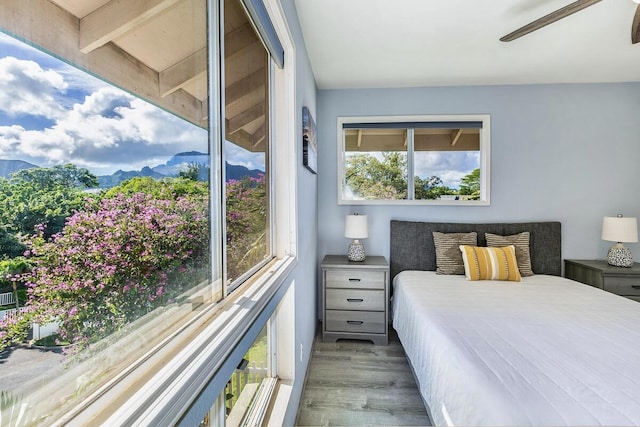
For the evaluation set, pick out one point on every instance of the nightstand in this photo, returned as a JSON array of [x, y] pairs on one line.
[[355, 299], [623, 281]]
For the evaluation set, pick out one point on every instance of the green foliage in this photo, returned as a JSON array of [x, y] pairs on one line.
[[68, 176], [167, 189], [10, 244], [11, 271], [195, 172], [370, 178], [431, 188], [14, 329], [470, 185], [42, 197], [247, 205]]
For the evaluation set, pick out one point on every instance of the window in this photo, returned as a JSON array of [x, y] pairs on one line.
[[246, 150], [414, 160], [247, 392], [106, 191], [132, 216]]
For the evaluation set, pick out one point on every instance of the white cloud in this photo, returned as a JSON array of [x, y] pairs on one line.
[[237, 155], [26, 88], [9, 139], [107, 130], [450, 166]]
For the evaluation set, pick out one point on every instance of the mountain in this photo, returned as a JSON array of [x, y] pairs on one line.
[[7, 167], [177, 164], [180, 161], [108, 181], [237, 172]]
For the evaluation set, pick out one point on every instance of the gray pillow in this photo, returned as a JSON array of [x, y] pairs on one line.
[[448, 255], [521, 243]]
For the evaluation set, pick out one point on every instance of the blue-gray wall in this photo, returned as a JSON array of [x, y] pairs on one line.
[[307, 213], [558, 152]]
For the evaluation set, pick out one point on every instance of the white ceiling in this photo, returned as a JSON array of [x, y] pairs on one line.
[[405, 43]]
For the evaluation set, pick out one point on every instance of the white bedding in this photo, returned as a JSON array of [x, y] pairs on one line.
[[544, 351]]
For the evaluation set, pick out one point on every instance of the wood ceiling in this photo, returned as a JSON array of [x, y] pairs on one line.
[[436, 139], [154, 49]]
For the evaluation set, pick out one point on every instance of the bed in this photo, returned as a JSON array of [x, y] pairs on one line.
[[543, 351]]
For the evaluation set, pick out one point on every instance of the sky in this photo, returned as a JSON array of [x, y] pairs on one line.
[[449, 166], [52, 113]]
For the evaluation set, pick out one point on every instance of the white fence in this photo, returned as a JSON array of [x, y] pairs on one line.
[[38, 331], [7, 298], [12, 312]]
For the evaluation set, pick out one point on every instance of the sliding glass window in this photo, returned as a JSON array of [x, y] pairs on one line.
[[414, 160], [246, 149]]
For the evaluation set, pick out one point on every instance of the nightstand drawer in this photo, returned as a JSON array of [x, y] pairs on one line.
[[355, 278], [355, 299], [356, 321], [622, 285]]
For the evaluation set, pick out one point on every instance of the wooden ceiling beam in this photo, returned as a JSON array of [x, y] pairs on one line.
[[241, 138], [247, 116], [182, 73], [245, 86], [117, 18], [239, 38], [55, 30], [259, 137], [455, 136]]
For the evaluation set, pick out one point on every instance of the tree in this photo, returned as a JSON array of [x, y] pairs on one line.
[[195, 172], [431, 188], [43, 196], [470, 185], [67, 176], [371, 178], [168, 189], [10, 244]]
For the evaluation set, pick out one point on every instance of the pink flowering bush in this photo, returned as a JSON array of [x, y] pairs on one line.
[[247, 203], [117, 260]]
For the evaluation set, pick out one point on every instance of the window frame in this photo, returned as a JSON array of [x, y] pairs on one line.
[[485, 156]]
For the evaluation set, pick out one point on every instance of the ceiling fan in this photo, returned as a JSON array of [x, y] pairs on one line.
[[563, 12]]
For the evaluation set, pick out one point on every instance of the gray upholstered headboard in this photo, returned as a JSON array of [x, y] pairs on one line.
[[412, 245]]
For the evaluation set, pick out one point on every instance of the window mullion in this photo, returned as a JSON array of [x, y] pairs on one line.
[[410, 165]]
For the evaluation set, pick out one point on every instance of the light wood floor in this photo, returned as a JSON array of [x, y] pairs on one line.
[[357, 383]]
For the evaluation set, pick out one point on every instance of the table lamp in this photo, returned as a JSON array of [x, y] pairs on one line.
[[619, 229], [355, 227]]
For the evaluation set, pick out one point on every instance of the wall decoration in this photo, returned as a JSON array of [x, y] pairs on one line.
[[309, 142]]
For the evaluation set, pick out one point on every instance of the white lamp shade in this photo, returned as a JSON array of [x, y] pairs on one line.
[[619, 229], [355, 227]]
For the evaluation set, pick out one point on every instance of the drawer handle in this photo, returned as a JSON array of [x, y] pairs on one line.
[[355, 300], [354, 280], [355, 322], [635, 286]]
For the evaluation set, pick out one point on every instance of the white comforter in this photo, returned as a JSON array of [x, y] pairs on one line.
[[544, 351]]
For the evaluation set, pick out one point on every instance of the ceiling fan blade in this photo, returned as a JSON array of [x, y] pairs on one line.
[[570, 9], [635, 27]]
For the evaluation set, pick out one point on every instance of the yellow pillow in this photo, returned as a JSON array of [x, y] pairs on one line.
[[482, 263]]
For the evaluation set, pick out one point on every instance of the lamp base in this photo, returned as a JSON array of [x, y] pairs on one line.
[[619, 256], [356, 251]]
